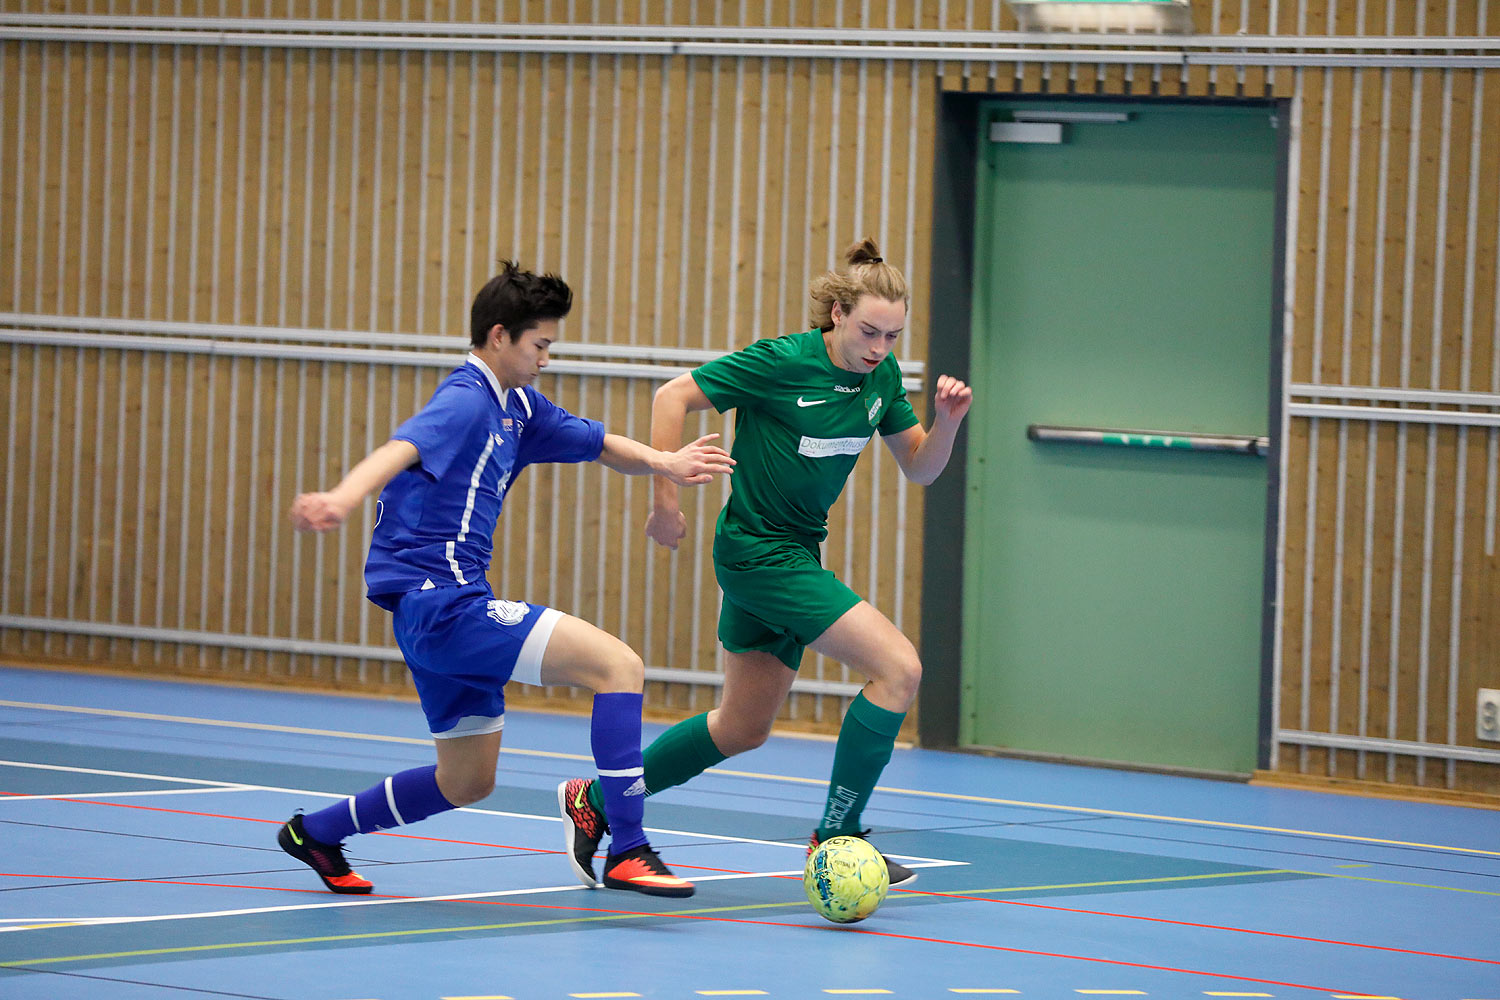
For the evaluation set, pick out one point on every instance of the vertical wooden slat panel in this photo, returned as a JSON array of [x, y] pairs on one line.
[[688, 200]]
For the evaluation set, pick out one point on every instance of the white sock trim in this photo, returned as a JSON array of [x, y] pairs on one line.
[[390, 800], [353, 815], [629, 772]]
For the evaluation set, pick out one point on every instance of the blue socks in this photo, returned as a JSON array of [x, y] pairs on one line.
[[615, 736], [398, 800]]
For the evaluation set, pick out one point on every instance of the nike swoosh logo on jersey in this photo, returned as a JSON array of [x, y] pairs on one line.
[[809, 402]]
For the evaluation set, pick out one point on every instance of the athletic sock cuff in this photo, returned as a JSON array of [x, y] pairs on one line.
[[874, 718], [703, 742]]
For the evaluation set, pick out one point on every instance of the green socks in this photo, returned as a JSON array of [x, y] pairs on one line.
[[682, 752], [866, 740]]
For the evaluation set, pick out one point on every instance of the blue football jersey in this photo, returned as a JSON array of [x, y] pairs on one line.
[[435, 521]]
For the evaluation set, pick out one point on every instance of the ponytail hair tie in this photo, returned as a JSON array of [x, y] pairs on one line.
[[877, 260]]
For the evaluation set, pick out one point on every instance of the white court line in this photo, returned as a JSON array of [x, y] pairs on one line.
[[791, 779], [121, 795], [268, 727], [120, 774], [231, 786], [41, 923], [44, 923]]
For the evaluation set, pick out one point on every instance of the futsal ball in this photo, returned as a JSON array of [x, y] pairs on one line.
[[845, 879]]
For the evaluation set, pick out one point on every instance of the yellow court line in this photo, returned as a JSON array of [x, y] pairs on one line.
[[370, 935], [1391, 881], [919, 793], [1124, 881]]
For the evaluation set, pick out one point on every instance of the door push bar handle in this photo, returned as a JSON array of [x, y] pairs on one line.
[[1241, 444]]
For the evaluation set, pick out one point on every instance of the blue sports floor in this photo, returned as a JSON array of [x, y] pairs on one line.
[[138, 860]]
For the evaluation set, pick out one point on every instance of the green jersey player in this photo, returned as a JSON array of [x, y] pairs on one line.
[[805, 407]]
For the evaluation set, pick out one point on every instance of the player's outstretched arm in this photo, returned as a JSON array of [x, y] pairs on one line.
[[325, 511], [669, 410], [691, 465], [923, 455]]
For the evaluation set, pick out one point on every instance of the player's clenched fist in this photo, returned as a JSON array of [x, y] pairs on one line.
[[317, 512], [953, 398]]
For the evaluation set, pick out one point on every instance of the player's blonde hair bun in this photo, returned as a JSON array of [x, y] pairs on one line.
[[865, 272]]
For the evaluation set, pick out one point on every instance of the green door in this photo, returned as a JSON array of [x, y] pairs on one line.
[[1123, 279]]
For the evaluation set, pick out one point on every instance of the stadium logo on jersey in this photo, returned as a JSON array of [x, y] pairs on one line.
[[875, 408], [846, 388], [509, 612]]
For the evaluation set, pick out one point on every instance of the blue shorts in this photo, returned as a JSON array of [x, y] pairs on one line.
[[462, 645]]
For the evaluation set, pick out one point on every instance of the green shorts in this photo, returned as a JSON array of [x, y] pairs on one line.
[[777, 595]]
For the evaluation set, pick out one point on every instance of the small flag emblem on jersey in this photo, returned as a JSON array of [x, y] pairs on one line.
[[508, 612]]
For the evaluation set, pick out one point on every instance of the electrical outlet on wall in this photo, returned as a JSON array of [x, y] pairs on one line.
[[1488, 714]]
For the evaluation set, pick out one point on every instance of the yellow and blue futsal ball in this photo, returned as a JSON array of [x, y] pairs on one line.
[[845, 879]]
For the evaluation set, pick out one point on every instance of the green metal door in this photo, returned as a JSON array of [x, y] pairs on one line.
[[1113, 595]]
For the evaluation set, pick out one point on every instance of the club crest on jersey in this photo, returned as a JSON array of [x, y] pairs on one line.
[[508, 612], [875, 408]]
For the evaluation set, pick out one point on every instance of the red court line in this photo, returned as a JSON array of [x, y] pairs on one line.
[[377, 833], [1212, 927], [1010, 902], [165, 881], [903, 937]]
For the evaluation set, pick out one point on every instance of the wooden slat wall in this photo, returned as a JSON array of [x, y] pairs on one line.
[[688, 200]]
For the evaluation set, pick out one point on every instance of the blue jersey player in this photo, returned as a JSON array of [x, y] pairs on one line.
[[442, 479]]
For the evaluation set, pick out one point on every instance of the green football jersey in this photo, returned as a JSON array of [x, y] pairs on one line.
[[800, 425]]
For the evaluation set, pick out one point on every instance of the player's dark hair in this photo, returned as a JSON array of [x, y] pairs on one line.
[[518, 300], [865, 273]]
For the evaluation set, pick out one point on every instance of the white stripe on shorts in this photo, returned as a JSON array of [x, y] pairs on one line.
[[528, 669]]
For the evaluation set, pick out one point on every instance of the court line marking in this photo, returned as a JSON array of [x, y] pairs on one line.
[[11, 797], [920, 862], [340, 904], [120, 774], [483, 898], [1202, 926], [916, 792], [1388, 881], [613, 915]]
